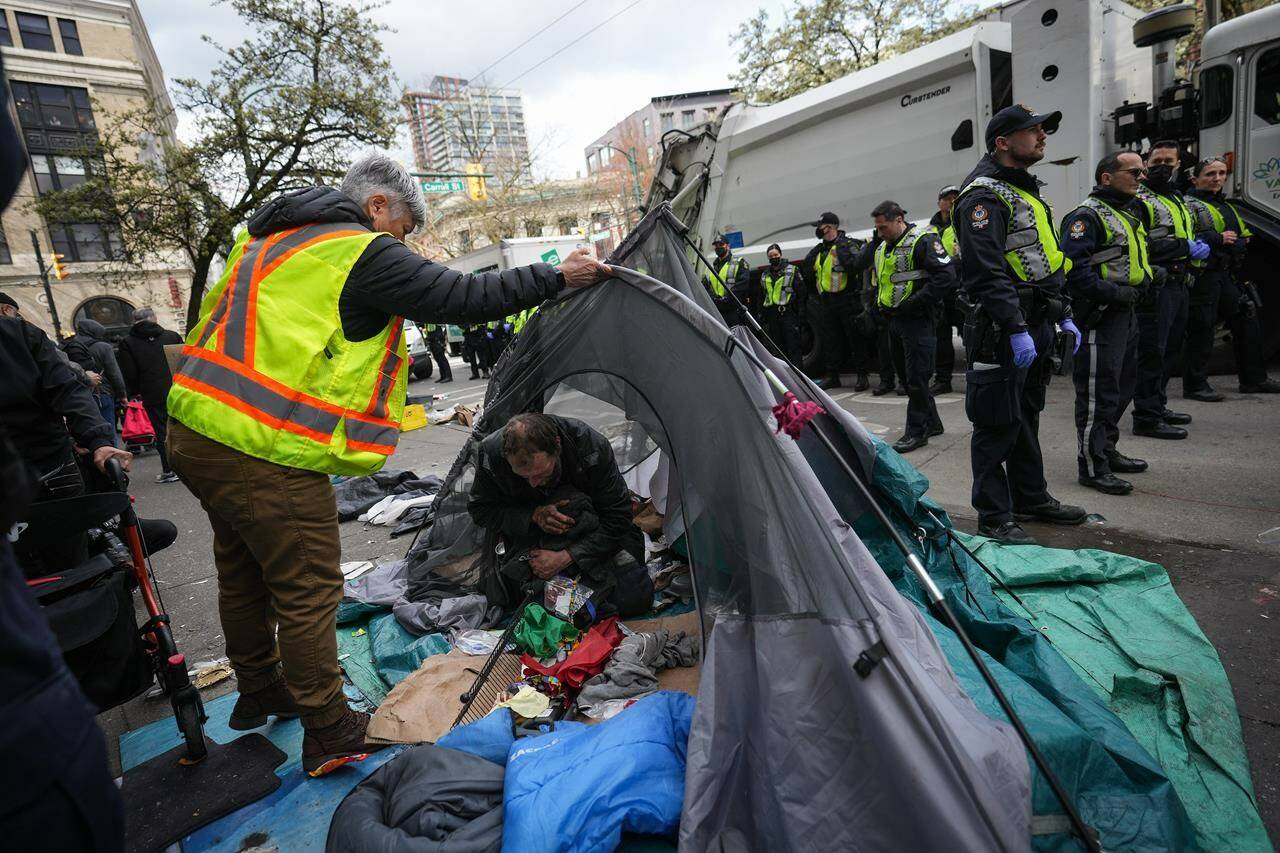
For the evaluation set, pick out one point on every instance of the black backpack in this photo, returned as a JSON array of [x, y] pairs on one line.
[[78, 351]]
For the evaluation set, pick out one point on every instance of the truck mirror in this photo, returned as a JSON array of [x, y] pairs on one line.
[[962, 138]]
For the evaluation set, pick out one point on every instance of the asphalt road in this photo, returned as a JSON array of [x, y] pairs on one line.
[[1198, 512]]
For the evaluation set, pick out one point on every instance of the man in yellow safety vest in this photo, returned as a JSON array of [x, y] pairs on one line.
[[296, 371]]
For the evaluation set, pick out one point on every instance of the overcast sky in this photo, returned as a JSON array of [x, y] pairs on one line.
[[657, 47]]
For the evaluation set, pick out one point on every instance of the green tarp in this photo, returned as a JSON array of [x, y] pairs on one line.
[[1120, 689], [1121, 626], [377, 654]]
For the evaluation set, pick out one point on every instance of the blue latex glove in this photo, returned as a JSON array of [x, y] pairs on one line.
[[1068, 325], [1024, 349], [1198, 249]]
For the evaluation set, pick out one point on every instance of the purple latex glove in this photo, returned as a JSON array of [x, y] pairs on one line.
[[1068, 325], [1198, 249], [1024, 349]]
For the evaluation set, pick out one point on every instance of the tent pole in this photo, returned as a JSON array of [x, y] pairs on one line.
[[938, 601]]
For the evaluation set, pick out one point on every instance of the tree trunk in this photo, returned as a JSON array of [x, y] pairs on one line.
[[199, 278]]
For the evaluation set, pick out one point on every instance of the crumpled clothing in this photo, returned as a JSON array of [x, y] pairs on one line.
[[389, 509], [587, 658], [527, 702], [633, 669], [383, 585], [541, 634], [440, 616], [357, 494], [579, 508]]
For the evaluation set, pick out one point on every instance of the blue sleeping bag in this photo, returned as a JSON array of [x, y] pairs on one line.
[[580, 788]]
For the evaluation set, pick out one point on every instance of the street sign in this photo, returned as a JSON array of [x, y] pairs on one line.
[[552, 257], [450, 185]]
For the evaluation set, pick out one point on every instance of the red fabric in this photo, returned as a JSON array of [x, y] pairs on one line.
[[587, 659], [792, 415], [137, 426]]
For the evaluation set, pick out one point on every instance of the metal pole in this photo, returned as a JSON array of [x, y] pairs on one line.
[[48, 291]]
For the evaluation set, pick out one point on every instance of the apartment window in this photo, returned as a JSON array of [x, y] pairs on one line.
[[648, 152], [711, 112], [6, 37], [667, 121], [687, 118], [70, 37], [34, 30], [5, 257], [42, 107], [648, 127], [86, 241]]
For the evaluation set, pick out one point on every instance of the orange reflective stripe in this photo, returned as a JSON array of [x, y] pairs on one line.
[[260, 378], [245, 408], [386, 381], [329, 232], [281, 406], [250, 337]]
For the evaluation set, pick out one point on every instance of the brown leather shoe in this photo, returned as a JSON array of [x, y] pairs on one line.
[[252, 709], [326, 749]]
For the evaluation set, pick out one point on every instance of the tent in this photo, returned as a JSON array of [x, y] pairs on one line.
[[834, 711]]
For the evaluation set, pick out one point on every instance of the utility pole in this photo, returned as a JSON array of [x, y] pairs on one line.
[[48, 291]]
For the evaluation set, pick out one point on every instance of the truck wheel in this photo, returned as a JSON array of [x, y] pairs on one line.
[[812, 341], [422, 369]]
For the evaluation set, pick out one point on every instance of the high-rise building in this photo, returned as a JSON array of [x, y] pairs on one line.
[[71, 65], [453, 122]]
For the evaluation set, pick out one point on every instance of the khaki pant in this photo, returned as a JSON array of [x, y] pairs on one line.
[[277, 550]]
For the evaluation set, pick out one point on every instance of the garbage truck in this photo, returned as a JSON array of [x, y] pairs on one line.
[[908, 126], [506, 254]]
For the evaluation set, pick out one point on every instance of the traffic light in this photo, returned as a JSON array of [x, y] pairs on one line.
[[475, 186], [59, 271]]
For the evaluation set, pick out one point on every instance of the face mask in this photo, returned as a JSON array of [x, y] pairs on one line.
[[721, 251], [775, 262], [1160, 175]]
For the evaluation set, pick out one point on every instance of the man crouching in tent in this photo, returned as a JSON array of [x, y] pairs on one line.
[[550, 488]]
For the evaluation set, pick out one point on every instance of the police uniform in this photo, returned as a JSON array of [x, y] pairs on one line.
[[948, 317], [782, 307], [475, 350], [1216, 295], [1013, 270], [1162, 315], [831, 270], [1107, 245], [913, 274], [731, 279], [437, 342]]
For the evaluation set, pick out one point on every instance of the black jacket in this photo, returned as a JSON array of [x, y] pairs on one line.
[[39, 391], [982, 223], [390, 279], [848, 253], [90, 348], [501, 501], [928, 255], [1170, 251], [142, 361], [1082, 237]]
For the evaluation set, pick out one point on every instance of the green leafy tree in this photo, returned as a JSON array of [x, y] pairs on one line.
[[822, 40], [284, 109]]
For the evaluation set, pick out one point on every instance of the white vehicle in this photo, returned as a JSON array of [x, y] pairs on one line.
[[419, 352], [913, 124], [507, 254]]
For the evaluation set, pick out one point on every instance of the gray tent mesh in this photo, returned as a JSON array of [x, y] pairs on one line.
[[791, 748]]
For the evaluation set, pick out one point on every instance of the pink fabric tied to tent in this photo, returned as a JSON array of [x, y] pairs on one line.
[[792, 415]]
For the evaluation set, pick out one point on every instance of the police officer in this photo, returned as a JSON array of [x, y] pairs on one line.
[[475, 349], [913, 274], [1012, 269], [731, 278], [1110, 274], [1217, 295], [948, 318], [782, 305], [1162, 316], [437, 342], [830, 270]]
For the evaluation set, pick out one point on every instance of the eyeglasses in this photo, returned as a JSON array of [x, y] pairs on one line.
[[1136, 172]]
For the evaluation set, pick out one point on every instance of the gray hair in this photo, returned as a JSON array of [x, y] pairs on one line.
[[140, 314], [378, 173]]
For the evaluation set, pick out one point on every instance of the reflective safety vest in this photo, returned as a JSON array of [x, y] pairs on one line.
[[1169, 217], [895, 269], [1208, 217], [523, 317], [268, 371], [725, 276], [947, 234], [779, 288], [1123, 257], [829, 274], [1032, 249]]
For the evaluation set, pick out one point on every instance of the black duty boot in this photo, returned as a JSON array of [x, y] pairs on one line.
[[1266, 386], [252, 709], [1052, 512], [940, 387], [1108, 484], [1175, 418], [1008, 532], [882, 389], [862, 384], [936, 429], [1159, 429], [908, 443], [901, 390], [325, 750], [829, 383], [1122, 464], [1204, 395]]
